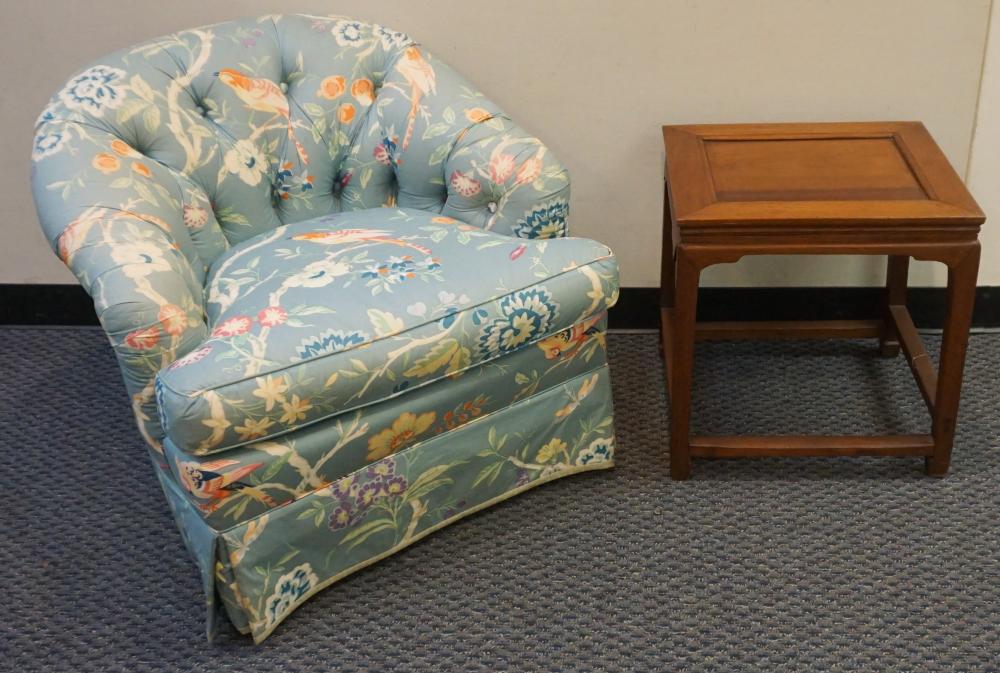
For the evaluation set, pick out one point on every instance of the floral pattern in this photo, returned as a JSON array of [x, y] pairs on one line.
[[290, 590], [412, 328], [95, 90], [525, 316], [547, 220], [337, 321]]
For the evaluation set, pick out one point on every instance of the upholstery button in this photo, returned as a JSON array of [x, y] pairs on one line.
[[284, 87], [491, 206], [202, 110]]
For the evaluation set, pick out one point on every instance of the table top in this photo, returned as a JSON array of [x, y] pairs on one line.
[[875, 173]]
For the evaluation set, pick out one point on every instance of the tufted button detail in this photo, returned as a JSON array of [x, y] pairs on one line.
[[202, 110], [283, 86], [492, 206]]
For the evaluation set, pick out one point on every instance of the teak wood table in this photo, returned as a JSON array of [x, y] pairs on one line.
[[816, 189]]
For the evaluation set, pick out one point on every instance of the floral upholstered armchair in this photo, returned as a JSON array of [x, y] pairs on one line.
[[337, 282]]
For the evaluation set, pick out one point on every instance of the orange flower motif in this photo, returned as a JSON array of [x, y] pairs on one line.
[[106, 163], [173, 318], [142, 169], [529, 171], [477, 114], [441, 219], [501, 167], [122, 148], [331, 87], [142, 339], [363, 90], [345, 113]]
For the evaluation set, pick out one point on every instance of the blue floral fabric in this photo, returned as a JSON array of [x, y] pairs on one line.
[[272, 472], [290, 224], [331, 314]]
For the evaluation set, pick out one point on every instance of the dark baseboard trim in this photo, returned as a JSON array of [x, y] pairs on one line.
[[638, 307]]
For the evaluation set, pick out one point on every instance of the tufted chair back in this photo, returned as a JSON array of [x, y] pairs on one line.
[[151, 163]]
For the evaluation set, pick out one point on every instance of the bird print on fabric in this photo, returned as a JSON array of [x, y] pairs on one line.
[[207, 481], [567, 340], [348, 236], [419, 74], [265, 96]]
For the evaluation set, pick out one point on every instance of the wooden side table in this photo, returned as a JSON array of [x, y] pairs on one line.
[[816, 189]]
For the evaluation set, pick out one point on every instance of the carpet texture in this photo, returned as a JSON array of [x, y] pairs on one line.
[[769, 565]]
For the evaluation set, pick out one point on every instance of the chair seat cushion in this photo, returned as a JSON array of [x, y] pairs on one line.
[[331, 314], [273, 472]]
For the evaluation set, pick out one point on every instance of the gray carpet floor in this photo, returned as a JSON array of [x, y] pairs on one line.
[[768, 565]]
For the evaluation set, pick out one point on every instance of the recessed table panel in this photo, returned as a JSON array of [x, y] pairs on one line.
[[829, 169]]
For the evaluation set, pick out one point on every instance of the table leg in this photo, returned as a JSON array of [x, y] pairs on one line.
[[895, 295], [682, 361], [667, 269], [961, 297]]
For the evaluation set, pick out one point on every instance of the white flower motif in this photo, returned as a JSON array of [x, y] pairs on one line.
[[418, 309], [349, 33], [391, 39], [47, 143], [246, 160], [140, 259], [94, 90], [599, 451], [290, 590], [318, 274]]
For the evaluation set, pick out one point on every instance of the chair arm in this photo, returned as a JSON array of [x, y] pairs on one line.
[[114, 217], [453, 151]]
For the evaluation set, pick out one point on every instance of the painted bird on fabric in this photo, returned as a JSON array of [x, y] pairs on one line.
[[265, 96], [568, 339], [348, 236], [207, 481], [419, 74]]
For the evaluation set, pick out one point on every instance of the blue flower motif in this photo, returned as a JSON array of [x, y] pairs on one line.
[[47, 143], [546, 220], [390, 38], [349, 33], [599, 451], [94, 90], [525, 316], [330, 341], [290, 589]]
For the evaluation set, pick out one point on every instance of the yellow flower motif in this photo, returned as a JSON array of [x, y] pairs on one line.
[[271, 389], [252, 429], [550, 450], [295, 410], [403, 430]]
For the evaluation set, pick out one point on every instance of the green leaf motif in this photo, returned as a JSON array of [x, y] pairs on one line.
[[129, 109], [363, 532], [151, 118], [435, 130], [141, 89], [438, 357], [439, 154]]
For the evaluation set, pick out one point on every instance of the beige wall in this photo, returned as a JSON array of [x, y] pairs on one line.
[[595, 80], [984, 164]]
